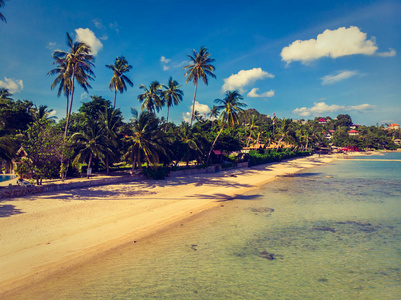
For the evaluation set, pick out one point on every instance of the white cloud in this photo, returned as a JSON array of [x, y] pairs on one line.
[[97, 23], [339, 76], [243, 78], [12, 85], [84, 95], [115, 26], [253, 93], [201, 108], [331, 43], [52, 113], [87, 36], [168, 63], [165, 61], [51, 45], [321, 108], [390, 53], [187, 117]]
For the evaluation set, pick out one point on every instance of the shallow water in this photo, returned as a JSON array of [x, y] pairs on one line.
[[333, 232], [6, 177]]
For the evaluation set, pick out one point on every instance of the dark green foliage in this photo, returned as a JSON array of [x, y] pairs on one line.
[[272, 155], [157, 174]]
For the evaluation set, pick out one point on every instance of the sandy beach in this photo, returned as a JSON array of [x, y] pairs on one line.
[[47, 233]]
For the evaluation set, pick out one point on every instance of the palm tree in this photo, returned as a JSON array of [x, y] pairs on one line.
[[147, 140], [111, 121], [75, 65], [2, 4], [199, 68], [91, 143], [151, 99], [172, 95], [188, 142], [214, 112], [42, 113], [63, 81], [118, 80], [231, 107], [5, 94]]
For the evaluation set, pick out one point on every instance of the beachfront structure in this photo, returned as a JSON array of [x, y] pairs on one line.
[[393, 126], [353, 132]]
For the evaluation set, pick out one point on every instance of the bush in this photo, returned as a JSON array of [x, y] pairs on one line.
[[271, 155]]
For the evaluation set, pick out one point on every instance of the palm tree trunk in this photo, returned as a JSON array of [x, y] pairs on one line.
[[69, 112], [68, 102], [107, 164], [89, 163], [115, 96], [133, 164], [193, 102], [168, 110], [215, 140]]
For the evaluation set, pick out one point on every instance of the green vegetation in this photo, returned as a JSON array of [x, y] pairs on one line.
[[98, 137]]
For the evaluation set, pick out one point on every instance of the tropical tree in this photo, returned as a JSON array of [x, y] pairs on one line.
[[74, 65], [199, 68], [146, 141], [5, 94], [231, 106], [2, 4], [90, 143], [119, 80], [111, 121], [172, 95], [152, 98], [42, 113]]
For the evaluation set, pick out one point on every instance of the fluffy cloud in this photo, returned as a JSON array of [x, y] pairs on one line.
[[253, 94], [87, 36], [165, 61], [168, 64], [243, 78], [331, 43], [341, 75], [201, 108], [12, 85], [321, 108], [390, 53]]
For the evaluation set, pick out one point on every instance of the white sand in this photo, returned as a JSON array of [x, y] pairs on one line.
[[50, 232]]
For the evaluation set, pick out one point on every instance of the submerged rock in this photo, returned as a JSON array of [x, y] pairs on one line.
[[262, 210], [266, 255], [322, 228]]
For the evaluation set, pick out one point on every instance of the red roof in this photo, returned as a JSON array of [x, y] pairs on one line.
[[353, 131]]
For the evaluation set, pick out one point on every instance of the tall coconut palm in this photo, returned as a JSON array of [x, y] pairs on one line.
[[231, 107], [63, 81], [2, 4], [152, 99], [90, 143], [172, 95], [74, 65], [147, 140], [119, 80], [199, 68]]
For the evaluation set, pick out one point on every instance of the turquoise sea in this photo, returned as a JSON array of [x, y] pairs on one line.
[[330, 232]]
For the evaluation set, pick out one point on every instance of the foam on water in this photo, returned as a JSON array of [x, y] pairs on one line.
[[331, 233]]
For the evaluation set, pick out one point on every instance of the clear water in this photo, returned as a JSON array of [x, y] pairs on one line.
[[6, 177], [333, 232]]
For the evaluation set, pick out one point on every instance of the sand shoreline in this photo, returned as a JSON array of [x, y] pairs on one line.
[[48, 233]]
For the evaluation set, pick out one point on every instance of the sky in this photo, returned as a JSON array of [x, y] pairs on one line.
[[297, 59]]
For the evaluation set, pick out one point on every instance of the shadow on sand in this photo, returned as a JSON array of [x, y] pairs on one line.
[[9, 210]]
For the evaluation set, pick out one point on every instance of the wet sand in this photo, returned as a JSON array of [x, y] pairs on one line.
[[44, 234]]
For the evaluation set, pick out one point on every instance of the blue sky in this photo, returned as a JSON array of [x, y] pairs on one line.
[[297, 59]]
